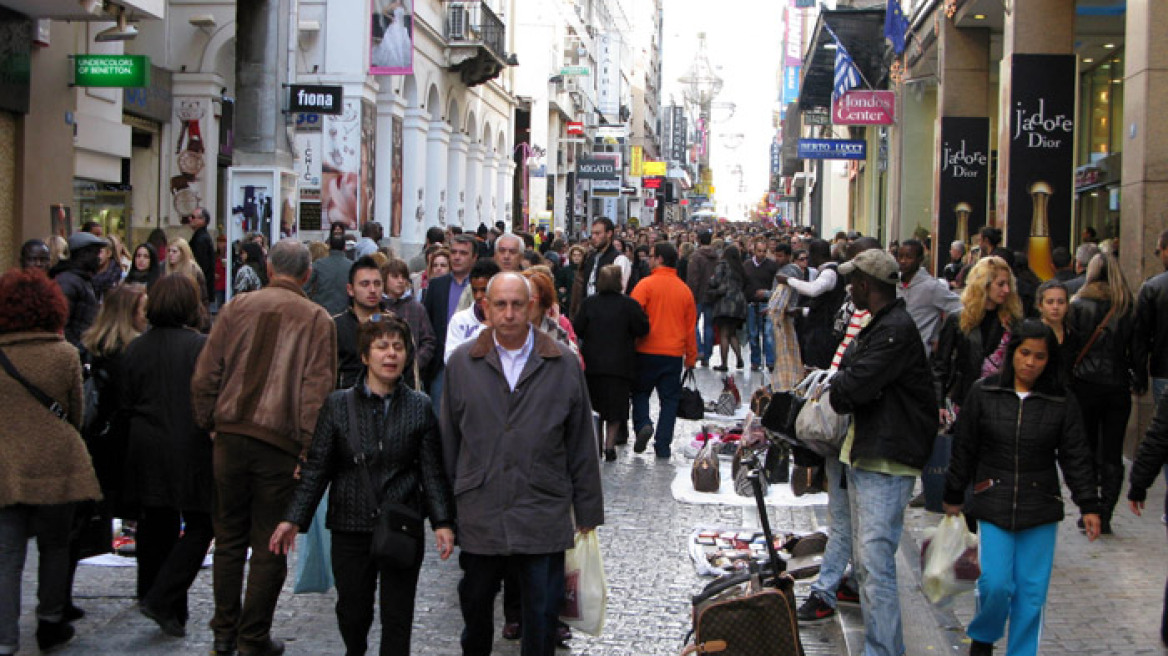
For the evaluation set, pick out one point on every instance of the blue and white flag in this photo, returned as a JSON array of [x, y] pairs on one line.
[[847, 76], [895, 26]]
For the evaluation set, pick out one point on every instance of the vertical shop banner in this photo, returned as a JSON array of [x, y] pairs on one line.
[[340, 167], [368, 157], [391, 42], [1041, 124], [964, 183], [395, 211], [188, 185]]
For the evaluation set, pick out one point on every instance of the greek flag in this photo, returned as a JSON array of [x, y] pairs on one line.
[[847, 76], [895, 26]]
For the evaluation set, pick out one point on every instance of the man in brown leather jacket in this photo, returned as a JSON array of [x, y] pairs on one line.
[[269, 364]]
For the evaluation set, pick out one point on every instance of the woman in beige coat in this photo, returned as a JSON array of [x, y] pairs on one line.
[[44, 466]]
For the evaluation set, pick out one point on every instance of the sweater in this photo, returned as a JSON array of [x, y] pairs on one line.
[[672, 313]]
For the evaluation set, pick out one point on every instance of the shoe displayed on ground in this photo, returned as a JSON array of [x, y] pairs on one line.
[[512, 631], [814, 610], [981, 648], [169, 624], [609, 455], [50, 635], [643, 437], [273, 648], [72, 613], [563, 635]]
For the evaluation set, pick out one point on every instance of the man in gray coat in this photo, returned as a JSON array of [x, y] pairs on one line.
[[520, 449], [327, 285]]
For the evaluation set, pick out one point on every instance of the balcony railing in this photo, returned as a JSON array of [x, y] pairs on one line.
[[475, 22]]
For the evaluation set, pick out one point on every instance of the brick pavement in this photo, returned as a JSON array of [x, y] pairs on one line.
[[1105, 597]]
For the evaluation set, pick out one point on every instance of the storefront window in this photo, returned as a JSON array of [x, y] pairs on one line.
[[109, 205], [1101, 110]]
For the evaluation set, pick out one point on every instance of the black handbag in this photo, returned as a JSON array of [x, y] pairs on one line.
[[397, 528], [781, 413], [690, 405]]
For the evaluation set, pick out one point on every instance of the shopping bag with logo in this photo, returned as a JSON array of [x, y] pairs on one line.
[[585, 590]]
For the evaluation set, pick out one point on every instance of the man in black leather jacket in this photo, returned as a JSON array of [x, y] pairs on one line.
[[884, 382], [1150, 349]]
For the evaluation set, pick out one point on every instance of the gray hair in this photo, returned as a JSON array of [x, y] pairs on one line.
[[290, 258], [958, 244], [1084, 253], [510, 274], [510, 235]]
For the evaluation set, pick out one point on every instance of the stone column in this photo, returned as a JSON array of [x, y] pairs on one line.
[[260, 69], [482, 213], [388, 106], [456, 207], [437, 143], [474, 178], [1144, 192], [414, 175]]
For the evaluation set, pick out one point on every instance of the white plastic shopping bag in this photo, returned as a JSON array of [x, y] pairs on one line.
[[585, 590], [950, 560]]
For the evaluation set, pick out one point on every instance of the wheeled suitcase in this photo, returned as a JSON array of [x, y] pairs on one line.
[[749, 613]]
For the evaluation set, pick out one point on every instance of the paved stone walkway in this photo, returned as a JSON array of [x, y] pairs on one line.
[[1105, 598]]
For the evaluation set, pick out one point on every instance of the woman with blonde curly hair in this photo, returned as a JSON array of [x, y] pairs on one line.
[[179, 259], [972, 344], [1102, 314]]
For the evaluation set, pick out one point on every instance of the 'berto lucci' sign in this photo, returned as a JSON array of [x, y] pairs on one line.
[[315, 99], [118, 71], [864, 108], [833, 149]]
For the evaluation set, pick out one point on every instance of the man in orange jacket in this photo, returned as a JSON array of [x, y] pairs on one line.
[[673, 316]]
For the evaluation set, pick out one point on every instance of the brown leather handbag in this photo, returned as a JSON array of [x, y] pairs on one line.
[[706, 475]]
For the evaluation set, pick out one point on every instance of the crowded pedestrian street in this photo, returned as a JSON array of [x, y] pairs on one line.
[[1104, 596]]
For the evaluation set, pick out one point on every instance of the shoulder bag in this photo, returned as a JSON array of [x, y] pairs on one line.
[[1094, 336], [690, 404], [819, 427], [45, 400], [397, 528], [706, 475]]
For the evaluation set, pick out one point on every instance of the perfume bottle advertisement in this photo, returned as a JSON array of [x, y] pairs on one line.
[[965, 177]]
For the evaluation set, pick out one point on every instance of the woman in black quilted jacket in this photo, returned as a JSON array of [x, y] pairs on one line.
[[1103, 316], [399, 443], [1013, 430]]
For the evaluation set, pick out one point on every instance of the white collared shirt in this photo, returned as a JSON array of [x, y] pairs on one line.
[[514, 361]]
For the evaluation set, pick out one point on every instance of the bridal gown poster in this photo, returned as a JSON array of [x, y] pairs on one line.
[[391, 41]]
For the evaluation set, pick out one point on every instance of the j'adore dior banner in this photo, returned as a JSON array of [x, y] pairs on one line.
[[964, 182], [1041, 124]]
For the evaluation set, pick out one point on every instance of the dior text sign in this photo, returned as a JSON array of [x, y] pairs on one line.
[[964, 181]]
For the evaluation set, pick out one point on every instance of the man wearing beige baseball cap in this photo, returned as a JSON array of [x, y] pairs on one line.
[[885, 384]]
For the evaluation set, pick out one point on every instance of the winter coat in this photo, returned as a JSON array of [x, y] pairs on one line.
[[269, 364], [523, 463], [565, 279], [77, 286], [1152, 455], [1150, 349], [203, 251], [1007, 449], [328, 281], [883, 381], [593, 260], [1109, 361], [42, 458], [412, 312], [957, 362], [168, 460], [403, 451], [699, 271], [608, 326], [725, 289], [108, 436]]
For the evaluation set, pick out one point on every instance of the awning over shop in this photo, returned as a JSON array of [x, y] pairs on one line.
[[862, 33]]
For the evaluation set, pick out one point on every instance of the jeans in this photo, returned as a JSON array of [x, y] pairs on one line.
[[878, 502], [706, 334], [167, 562], [50, 525], [1015, 575], [663, 373], [757, 321], [839, 535], [541, 590], [357, 574], [253, 485]]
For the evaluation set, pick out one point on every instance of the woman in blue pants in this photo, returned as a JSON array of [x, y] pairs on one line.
[[1013, 428]]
